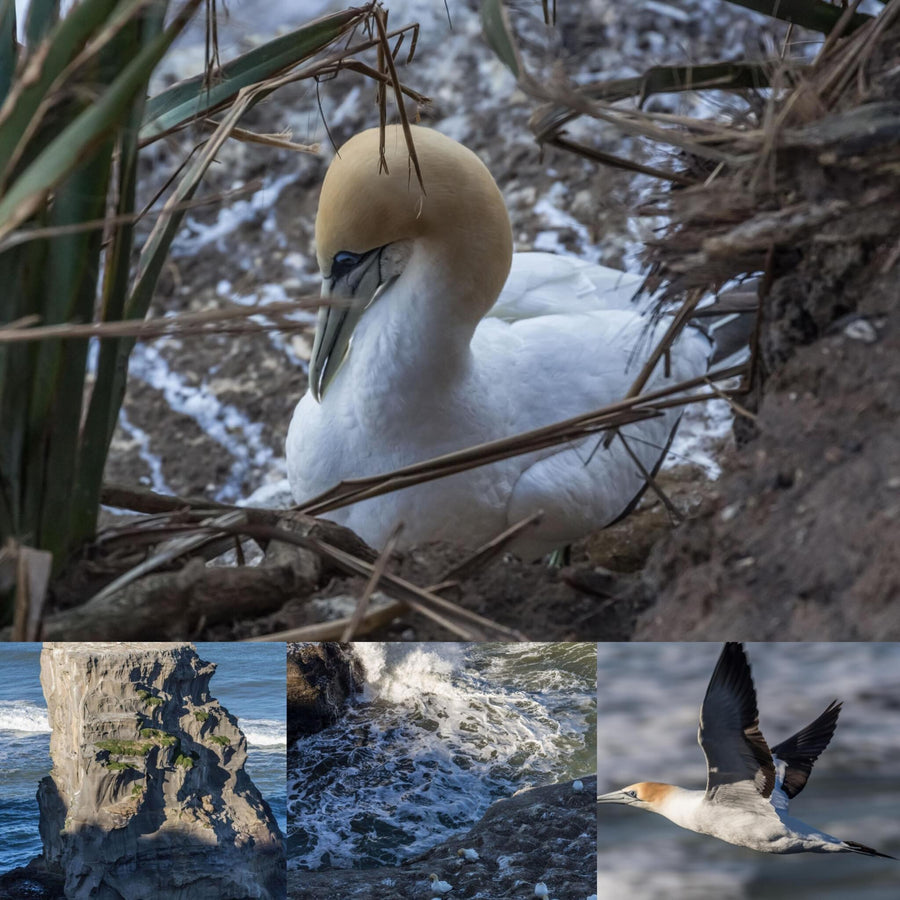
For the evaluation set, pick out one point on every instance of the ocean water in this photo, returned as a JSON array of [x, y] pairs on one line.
[[649, 697], [440, 732], [249, 682]]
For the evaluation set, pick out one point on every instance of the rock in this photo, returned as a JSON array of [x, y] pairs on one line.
[[148, 796], [321, 678], [545, 834]]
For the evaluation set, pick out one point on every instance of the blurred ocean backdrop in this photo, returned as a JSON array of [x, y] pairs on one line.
[[249, 682], [649, 698], [440, 732]]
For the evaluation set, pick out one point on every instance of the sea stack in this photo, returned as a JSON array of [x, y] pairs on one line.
[[148, 795]]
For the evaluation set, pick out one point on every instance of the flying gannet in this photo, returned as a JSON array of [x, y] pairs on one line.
[[437, 337], [749, 786]]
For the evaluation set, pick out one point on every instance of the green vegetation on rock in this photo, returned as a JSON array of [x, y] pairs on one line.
[[126, 748], [162, 738], [219, 739]]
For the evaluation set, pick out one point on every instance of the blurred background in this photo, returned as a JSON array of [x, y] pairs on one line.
[[649, 698]]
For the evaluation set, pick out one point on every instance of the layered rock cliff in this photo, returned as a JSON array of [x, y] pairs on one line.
[[148, 796]]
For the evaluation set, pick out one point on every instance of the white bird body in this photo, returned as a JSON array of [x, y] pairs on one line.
[[760, 828], [438, 886], [749, 787], [452, 353], [468, 854]]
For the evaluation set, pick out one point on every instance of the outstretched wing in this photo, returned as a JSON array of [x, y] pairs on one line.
[[795, 756], [740, 766]]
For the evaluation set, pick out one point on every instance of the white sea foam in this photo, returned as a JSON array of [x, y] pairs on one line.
[[440, 732], [264, 733], [19, 715]]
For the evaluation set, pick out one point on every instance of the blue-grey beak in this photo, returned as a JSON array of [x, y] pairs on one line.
[[350, 293]]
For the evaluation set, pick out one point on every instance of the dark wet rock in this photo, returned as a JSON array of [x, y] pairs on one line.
[[545, 834], [321, 678], [148, 796], [32, 882]]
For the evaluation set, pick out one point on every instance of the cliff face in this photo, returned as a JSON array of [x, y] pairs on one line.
[[148, 796], [321, 677]]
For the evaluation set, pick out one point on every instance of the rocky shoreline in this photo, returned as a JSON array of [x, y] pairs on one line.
[[546, 834]]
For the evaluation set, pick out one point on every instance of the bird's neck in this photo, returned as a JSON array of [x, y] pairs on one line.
[[418, 332], [680, 805]]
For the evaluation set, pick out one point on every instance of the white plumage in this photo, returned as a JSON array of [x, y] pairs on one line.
[[749, 786], [455, 342], [438, 886]]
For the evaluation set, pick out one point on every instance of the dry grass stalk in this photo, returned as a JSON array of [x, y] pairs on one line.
[[232, 320], [260, 525], [609, 417], [379, 617], [378, 569], [486, 553]]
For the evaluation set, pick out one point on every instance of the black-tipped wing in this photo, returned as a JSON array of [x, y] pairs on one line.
[[737, 756], [801, 750], [868, 851]]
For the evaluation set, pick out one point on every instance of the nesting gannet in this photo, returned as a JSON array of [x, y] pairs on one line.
[[468, 855], [437, 337], [438, 886], [577, 786], [540, 890], [749, 786]]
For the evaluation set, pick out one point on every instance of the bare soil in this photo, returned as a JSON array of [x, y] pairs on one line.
[[800, 541]]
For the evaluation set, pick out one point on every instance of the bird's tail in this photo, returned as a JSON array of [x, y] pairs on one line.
[[866, 851]]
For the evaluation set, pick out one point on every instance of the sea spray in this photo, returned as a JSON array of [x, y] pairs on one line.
[[19, 715], [438, 734]]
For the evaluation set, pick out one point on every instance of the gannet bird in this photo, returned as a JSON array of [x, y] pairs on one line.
[[469, 855], [749, 786], [540, 890], [436, 337], [438, 886]]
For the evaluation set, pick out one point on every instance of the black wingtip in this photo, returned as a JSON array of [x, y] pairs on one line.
[[802, 749], [866, 851]]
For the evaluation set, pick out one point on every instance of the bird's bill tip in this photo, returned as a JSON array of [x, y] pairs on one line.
[[614, 797], [334, 328]]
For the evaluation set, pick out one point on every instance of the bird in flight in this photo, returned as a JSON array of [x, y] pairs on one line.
[[749, 786]]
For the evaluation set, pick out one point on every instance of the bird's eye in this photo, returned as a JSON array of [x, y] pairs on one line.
[[343, 262], [631, 794]]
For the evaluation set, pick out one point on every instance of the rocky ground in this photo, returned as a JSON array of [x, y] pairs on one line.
[[208, 416], [556, 818]]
